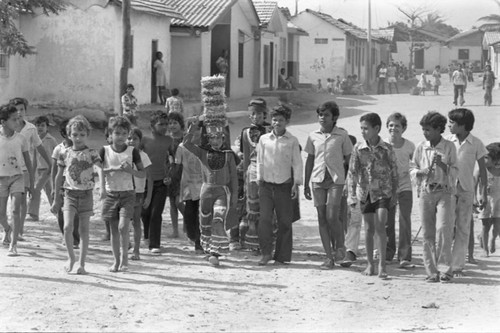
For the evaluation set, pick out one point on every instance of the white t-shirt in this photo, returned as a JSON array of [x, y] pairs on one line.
[[11, 157], [118, 180], [30, 132], [140, 183], [404, 155]]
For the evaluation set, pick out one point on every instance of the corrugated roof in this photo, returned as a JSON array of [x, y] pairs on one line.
[[153, 7], [387, 34], [342, 25], [491, 37], [463, 34], [265, 9], [199, 13]]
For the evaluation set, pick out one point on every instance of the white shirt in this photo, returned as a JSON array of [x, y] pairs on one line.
[[404, 155], [11, 157], [140, 183], [30, 132]]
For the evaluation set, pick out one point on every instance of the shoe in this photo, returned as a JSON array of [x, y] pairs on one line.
[[404, 264], [266, 258], [328, 264], [12, 251], [432, 279], [213, 260], [350, 257], [155, 250], [445, 278], [234, 246]]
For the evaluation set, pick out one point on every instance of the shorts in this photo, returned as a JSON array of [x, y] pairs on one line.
[[27, 182], [80, 202], [139, 199], [371, 207], [119, 204], [323, 195], [11, 185], [392, 80]]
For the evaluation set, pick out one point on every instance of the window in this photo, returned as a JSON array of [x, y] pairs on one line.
[[320, 40], [266, 63], [241, 41], [4, 64], [463, 54]]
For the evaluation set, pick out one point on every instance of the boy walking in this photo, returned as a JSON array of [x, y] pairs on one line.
[[329, 149], [279, 172], [13, 159], [434, 166], [469, 151], [158, 149], [373, 181]]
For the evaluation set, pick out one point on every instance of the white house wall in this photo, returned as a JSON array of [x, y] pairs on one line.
[[186, 65], [320, 61], [241, 87], [432, 55]]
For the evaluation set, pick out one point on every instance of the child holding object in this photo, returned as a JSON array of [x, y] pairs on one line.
[[373, 182], [76, 170]]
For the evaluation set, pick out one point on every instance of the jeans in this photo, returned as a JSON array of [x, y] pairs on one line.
[[462, 207], [151, 216], [458, 90], [405, 203], [276, 198], [437, 228]]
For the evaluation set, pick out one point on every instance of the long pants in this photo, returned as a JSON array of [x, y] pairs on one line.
[[253, 215], [458, 90], [437, 227], [487, 95], [276, 198], [381, 86], [151, 216], [462, 208], [353, 229], [192, 220], [36, 196], [405, 203], [214, 206]]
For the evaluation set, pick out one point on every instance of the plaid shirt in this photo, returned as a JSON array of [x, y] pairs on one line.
[[372, 171]]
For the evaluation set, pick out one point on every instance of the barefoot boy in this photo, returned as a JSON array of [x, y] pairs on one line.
[[13, 159], [76, 169], [117, 187], [373, 181]]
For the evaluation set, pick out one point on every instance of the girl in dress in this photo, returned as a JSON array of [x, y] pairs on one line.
[[436, 75], [422, 83]]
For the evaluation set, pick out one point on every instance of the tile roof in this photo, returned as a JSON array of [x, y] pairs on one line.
[[286, 13], [265, 9], [153, 7], [199, 13], [387, 34], [341, 24], [463, 34], [491, 37]]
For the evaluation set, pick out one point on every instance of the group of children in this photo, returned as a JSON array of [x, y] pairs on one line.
[[199, 173]]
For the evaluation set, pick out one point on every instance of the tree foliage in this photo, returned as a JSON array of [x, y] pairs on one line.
[[12, 41], [491, 22]]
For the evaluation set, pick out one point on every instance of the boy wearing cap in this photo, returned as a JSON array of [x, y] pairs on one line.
[[279, 172], [248, 142]]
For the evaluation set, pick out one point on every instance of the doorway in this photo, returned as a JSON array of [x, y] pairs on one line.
[[419, 59], [271, 66], [154, 91]]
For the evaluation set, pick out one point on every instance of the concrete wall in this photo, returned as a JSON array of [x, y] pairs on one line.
[[186, 65], [433, 56], [78, 57], [320, 61], [241, 87]]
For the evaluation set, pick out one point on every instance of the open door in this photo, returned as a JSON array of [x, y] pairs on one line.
[[271, 66], [154, 92]]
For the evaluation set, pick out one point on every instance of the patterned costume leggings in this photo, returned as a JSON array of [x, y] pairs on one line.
[[252, 216], [214, 201]]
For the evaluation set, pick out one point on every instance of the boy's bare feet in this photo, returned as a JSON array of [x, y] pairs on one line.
[[382, 274], [328, 264], [135, 256], [265, 259], [114, 268], [6, 237], [369, 271], [69, 265], [459, 273], [492, 246], [81, 271], [123, 268], [486, 253], [12, 251], [471, 260]]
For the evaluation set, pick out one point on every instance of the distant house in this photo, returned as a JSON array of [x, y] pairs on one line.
[[78, 54], [335, 47], [491, 48], [467, 47], [209, 27], [429, 48], [279, 44]]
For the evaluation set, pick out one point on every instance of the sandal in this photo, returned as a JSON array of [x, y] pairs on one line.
[[432, 279], [135, 257], [445, 278]]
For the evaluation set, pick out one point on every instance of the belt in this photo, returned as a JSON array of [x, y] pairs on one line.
[[435, 187]]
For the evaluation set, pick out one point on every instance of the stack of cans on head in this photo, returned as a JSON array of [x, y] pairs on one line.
[[214, 104]]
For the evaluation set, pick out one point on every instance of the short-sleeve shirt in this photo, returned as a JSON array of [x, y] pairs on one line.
[[468, 152], [78, 166], [404, 154], [192, 177], [174, 104], [49, 143], [140, 183], [30, 132], [119, 180], [11, 158], [329, 150]]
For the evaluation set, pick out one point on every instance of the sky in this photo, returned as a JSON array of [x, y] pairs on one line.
[[462, 14]]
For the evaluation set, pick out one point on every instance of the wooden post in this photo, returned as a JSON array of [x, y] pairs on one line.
[[126, 51]]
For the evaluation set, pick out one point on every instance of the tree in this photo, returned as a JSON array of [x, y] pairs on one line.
[[413, 14], [126, 48], [12, 40], [492, 21]]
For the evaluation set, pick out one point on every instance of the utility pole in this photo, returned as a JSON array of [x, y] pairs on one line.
[[126, 49], [369, 48], [296, 7]]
